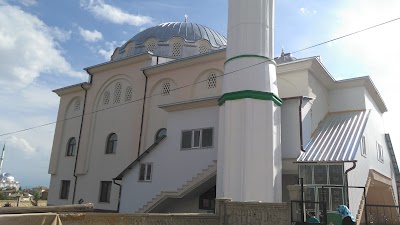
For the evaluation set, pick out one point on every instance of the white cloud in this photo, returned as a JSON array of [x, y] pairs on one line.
[[90, 36], [60, 34], [28, 48], [28, 2], [306, 11], [19, 144], [113, 14], [108, 50]]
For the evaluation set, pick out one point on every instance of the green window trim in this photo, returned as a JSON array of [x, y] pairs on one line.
[[260, 95], [247, 56]]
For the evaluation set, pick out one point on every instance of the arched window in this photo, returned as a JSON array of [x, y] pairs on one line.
[[128, 94], [212, 80], [160, 133], [203, 49], [117, 94], [71, 147], [77, 104], [111, 146], [176, 49], [151, 46], [106, 98], [166, 87]]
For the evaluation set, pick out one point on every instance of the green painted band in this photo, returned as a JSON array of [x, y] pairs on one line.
[[247, 56], [250, 94]]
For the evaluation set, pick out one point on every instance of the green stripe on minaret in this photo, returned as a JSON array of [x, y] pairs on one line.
[[248, 56], [260, 95]]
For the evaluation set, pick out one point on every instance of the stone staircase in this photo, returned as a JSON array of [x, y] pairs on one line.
[[362, 202], [201, 177]]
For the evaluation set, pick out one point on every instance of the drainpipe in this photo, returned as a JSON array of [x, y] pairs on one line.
[[347, 181], [141, 124], [301, 124], [300, 118], [119, 194], [79, 143]]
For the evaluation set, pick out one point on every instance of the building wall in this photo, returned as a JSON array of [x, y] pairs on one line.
[[183, 77], [172, 167], [290, 129], [93, 164], [319, 103], [345, 99], [374, 132], [62, 166]]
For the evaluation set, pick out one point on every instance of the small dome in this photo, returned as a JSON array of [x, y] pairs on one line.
[[173, 40], [7, 177], [190, 32]]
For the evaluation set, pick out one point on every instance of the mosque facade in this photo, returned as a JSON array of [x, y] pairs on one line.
[[178, 117]]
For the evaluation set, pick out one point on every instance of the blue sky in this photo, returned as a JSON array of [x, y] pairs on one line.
[[45, 44]]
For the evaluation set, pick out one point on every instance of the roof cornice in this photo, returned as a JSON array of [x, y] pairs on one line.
[[184, 62], [118, 63], [72, 88]]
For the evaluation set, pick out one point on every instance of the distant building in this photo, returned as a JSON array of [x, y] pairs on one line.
[[7, 181]]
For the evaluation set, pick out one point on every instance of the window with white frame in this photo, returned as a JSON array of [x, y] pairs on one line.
[[316, 176], [198, 138], [105, 191], [379, 149], [145, 171], [363, 148]]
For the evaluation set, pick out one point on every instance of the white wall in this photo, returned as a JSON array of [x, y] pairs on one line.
[[290, 129], [374, 132], [172, 167], [345, 99], [62, 166]]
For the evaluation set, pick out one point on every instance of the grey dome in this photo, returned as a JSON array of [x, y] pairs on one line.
[[190, 32], [7, 177], [172, 40]]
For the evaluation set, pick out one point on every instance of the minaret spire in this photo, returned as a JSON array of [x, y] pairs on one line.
[[249, 155], [2, 158]]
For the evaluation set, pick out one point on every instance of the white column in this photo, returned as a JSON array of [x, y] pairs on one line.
[[249, 155]]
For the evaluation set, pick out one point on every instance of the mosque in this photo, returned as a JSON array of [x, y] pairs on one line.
[[180, 116], [7, 181]]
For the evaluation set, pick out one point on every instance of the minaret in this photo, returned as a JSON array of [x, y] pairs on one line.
[[2, 158], [249, 154]]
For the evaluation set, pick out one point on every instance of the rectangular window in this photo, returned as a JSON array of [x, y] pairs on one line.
[[316, 176], [64, 192], [199, 138], [145, 172], [363, 148], [379, 148], [320, 174], [336, 174], [105, 191]]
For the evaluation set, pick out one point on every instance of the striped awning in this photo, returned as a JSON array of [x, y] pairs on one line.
[[337, 138]]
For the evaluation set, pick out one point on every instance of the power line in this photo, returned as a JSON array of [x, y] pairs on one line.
[[188, 85], [356, 32]]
